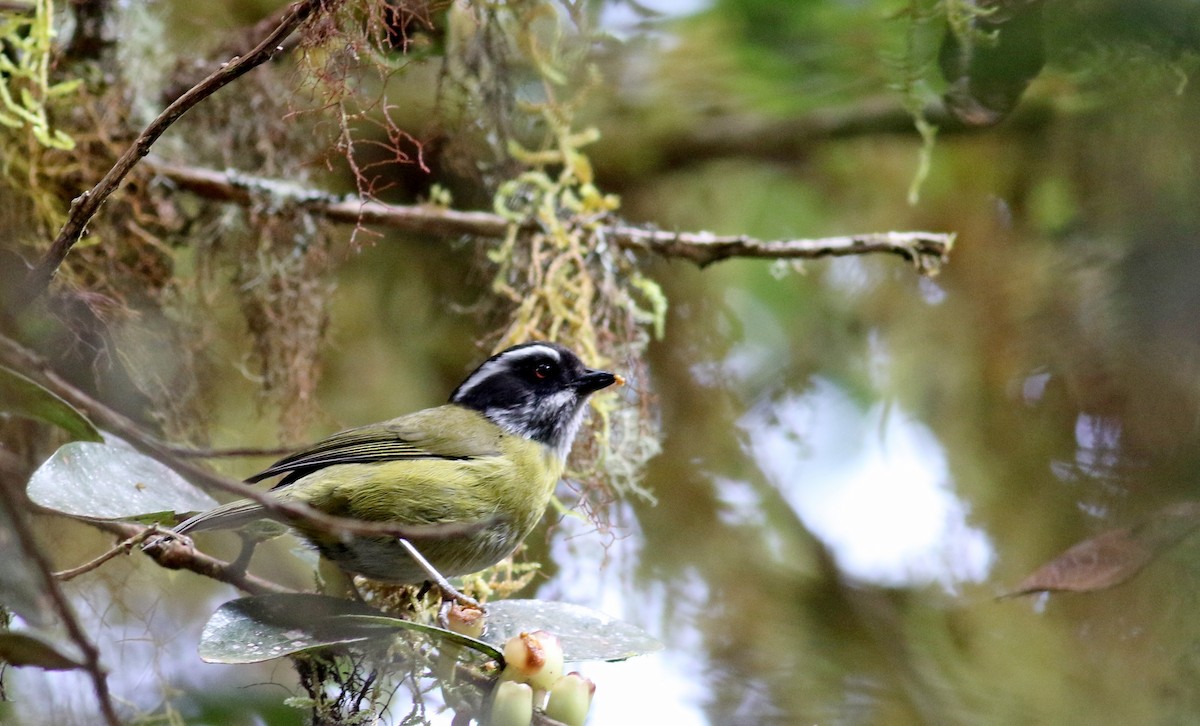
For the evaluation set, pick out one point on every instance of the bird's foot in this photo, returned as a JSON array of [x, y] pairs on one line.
[[450, 596]]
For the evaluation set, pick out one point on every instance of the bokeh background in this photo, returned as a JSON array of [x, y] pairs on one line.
[[857, 461]]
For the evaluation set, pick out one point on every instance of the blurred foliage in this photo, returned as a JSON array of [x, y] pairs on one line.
[[25, 87], [1054, 363]]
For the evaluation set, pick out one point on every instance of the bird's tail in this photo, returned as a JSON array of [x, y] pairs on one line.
[[227, 516]]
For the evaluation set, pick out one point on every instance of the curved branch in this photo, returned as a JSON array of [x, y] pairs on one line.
[[928, 251], [20, 358], [85, 206]]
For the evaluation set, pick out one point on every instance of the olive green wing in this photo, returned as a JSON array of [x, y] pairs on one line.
[[445, 432]]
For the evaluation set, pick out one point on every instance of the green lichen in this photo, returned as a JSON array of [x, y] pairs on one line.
[[562, 278], [25, 87]]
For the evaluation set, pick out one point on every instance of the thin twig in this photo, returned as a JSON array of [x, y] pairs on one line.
[[178, 554], [246, 189], [32, 554], [122, 548], [926, 250], [85, 206], [171, 551], [235, 42]]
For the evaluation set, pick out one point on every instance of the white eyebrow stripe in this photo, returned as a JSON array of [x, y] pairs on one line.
[[529, 351], [505, 361]]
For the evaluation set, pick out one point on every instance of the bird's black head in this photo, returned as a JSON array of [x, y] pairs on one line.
[[535, 390]]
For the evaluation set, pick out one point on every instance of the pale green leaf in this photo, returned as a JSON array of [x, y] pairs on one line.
[[259, 628], [264, 627], [112, 481]]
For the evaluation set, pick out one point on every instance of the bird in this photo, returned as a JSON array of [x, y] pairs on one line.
[[473, 475]]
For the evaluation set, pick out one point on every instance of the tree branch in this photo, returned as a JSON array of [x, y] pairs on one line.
[[237, 42], [175, 554], [928, 251], [86, 205], [123, 547], [172, 553], [755, 137], [15, 356], [88, 39]]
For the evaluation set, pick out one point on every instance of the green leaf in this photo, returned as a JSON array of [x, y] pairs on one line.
[[585, 634], [23, 397], [268, 627], [264, 627], [22, 649], [383, 621], [111, 481], [21, 588]]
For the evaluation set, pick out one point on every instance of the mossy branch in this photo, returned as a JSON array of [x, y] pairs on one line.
[[87, 204], [928, 251]]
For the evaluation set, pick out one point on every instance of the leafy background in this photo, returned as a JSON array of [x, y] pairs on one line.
[[856, 461]]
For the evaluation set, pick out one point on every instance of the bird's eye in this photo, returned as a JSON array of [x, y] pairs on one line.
[[543, 370]]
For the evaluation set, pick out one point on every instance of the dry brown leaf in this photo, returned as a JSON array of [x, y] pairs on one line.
[[1114, 556]]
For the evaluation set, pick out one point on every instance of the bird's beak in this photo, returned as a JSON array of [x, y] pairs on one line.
[[592, 381]]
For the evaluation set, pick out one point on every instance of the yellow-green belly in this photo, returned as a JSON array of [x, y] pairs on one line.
[[488, 505]]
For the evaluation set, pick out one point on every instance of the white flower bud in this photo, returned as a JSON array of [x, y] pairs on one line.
[[512, 704], [570, 699]]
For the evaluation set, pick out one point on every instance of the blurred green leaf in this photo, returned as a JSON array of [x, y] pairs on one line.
[[111, 481], [23, 649], [23, 397], [20, 586]]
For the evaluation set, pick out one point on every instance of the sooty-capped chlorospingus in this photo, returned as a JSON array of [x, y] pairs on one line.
[[483, 466]]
